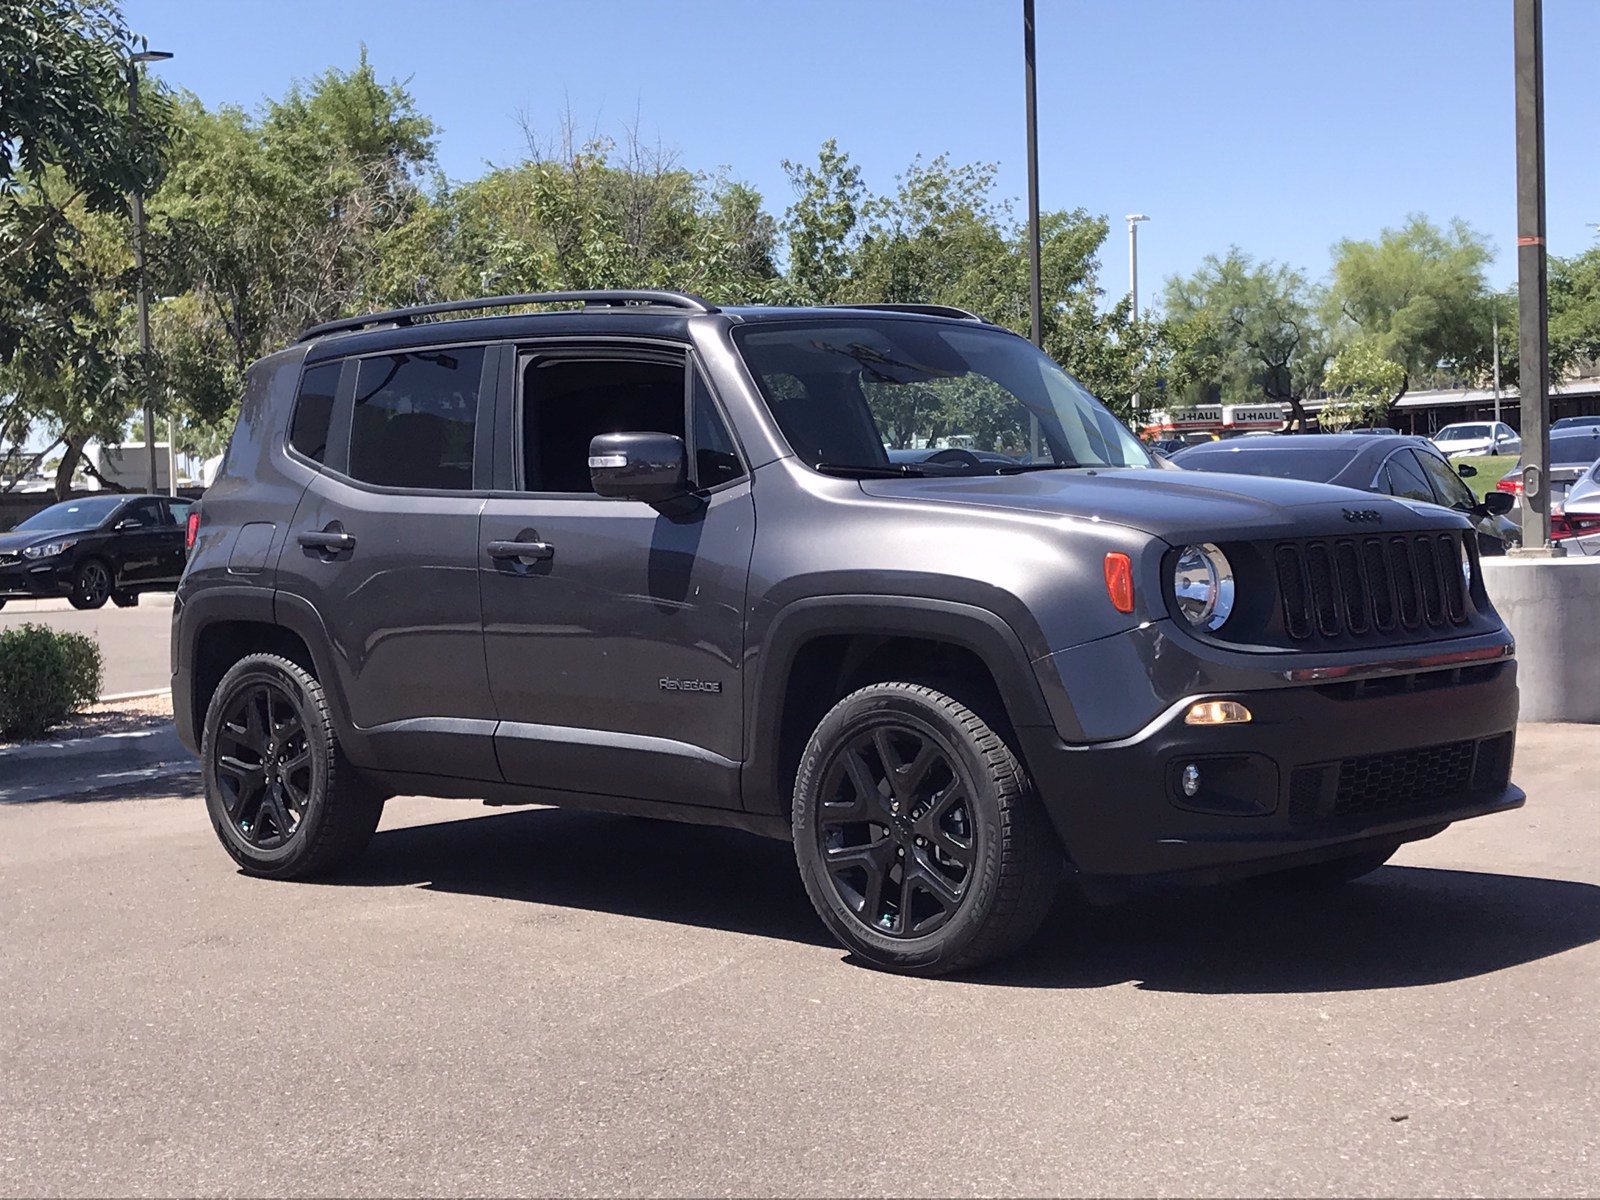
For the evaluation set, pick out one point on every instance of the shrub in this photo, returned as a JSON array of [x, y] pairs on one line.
[[45, 677]]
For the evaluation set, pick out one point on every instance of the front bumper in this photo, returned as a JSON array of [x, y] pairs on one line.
[[1320, 769], [26, 579]]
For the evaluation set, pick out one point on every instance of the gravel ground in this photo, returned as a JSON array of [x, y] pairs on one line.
[[119, 716]]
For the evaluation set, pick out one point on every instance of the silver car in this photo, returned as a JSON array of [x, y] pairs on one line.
[[1577, 525], [1477, 437]]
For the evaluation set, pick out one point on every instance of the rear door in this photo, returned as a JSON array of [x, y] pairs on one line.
[[383, 548], [615, 659]]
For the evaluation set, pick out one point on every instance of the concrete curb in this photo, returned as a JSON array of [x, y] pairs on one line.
[[56, 770]]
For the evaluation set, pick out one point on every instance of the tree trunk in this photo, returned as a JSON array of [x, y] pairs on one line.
[[69, 464]]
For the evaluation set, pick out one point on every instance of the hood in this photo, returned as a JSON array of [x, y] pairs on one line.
[[10, 543], [1179, 507]]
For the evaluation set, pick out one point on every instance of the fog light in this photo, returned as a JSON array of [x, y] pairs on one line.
[[1189, 781], [1217, 712]]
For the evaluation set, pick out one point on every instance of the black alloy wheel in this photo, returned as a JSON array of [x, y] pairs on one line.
[[919, 837], [91, 587], [263, 761], [895, 830], [282, 797]]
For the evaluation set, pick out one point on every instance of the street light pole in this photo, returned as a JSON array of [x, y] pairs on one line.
[[1035, 283], [134, 62], [1532, 280], [1133, 220]]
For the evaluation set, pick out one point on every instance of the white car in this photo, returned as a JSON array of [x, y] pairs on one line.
[[1477, 437]]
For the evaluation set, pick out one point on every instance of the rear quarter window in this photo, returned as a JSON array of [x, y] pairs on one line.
[[313, 409]]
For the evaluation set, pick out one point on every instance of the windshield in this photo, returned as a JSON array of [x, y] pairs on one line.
[[850, 395], [1316, 465], [72, 514], [1460, 433]]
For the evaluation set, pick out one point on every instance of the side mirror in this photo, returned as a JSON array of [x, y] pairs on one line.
[[126, 524], [653, 467], [1499, 503], [1466, 470]]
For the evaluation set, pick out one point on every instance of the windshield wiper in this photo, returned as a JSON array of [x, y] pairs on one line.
[[1020, 468], [892, 471]]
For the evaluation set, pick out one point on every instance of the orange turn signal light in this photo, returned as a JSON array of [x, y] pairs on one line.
[[1119, 581]]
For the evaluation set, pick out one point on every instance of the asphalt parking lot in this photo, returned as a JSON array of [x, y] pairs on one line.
[[537, 1001], [133, 641]]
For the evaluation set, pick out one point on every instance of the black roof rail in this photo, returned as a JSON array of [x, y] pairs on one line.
[[926, 310], [593, 298]]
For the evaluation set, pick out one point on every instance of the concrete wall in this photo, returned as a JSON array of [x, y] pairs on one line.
[[1552, 607]]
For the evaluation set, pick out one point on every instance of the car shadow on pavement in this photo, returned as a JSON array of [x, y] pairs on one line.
[[656, 870], [1400, 927]]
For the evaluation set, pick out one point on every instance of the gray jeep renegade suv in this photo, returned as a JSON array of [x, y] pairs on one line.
[[652, 557]]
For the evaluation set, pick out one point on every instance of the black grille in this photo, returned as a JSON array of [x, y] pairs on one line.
[[1347, 587], [8, 560], [1403, 779]]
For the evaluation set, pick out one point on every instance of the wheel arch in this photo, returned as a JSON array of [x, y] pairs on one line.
[[819, 649]]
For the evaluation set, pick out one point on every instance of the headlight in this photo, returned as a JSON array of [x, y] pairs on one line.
[[1202, 580], [49, 549]]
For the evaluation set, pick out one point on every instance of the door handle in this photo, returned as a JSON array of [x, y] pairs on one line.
[[328, 539], [523, 551]]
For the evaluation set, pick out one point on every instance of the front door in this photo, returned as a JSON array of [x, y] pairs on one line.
[[138, 544], [615, 654]]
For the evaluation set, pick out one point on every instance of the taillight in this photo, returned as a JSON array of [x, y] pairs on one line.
[[1563, 526], [191, 529], [1511, 484]]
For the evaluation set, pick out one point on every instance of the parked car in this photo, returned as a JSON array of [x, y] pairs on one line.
[[650, 556], [1575, 423], [1571, 452], [1408, 467], [1477, 437], [94, 549], [1577, 525]]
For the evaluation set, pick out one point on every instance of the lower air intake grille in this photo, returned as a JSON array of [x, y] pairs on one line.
[[1404, 779]]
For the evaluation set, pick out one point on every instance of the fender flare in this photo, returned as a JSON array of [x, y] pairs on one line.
[[964, 625]]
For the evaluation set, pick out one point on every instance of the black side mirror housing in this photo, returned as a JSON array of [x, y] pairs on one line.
[[653, 467], [1499, 503], [126, 524], [1466, 470]]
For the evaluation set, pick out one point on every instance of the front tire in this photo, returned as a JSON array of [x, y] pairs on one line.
[[125, 599], [91, 586], [284, 801], [918, 835]]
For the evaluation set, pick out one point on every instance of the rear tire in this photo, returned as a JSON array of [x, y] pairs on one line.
[[91, 586], [918, 835], [282, 797], [1330, 873]]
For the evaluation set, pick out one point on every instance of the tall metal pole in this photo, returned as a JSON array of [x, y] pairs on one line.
[[1035, 283], [1133, 267], [143, 297], [1495, 325], [1532, 283]]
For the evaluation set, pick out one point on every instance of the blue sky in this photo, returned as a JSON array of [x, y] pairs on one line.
[[1279, 126]]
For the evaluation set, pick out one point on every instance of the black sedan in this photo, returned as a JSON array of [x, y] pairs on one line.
[[96, 548], [1408, 467]]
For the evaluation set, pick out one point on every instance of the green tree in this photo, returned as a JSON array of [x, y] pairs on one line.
[[1418, 295], [1361, 385], [1243, 331], [1574, 312], [821, 225], [70, 153]]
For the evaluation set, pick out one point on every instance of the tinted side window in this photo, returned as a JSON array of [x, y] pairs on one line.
[[715, 460], [1452, 492], [566, 402], [146, 512], [312, 408], [1406, 479], [414, 418]]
